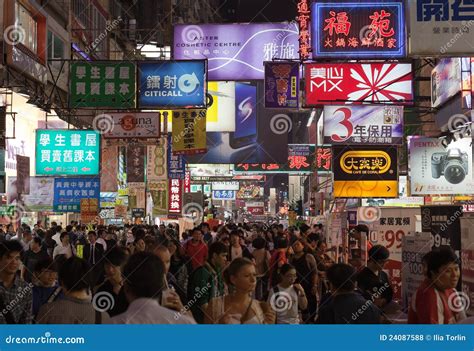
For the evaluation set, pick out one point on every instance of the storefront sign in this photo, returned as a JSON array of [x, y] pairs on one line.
[[304, 25], [363, 124], [323, 158], [440, 170], [67, 152], [187, 182], [445, 81], [365, 172], [441, 27], [443, 222], [358, 83], [176, 163], [156, 161], [22, 174], [175, 196], [403, 200], [223, 194], [89, 210], [225, 185], [159, 195], [138, 212], [189, 132], [136, 195], [129, 125], [358, 29], [102, 84], [41, 194], [136, 163], [256, 210], [68, 193], [172, 84], [249, 191], [236, 51], [282, 84]]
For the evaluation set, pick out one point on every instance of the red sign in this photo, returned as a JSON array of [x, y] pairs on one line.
[[257, 211], [175, 198], [323, 158], [187, 182], [358, 83], [303, 20]]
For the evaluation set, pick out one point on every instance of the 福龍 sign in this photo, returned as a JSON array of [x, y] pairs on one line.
[[102, 84], [440, 170], [358, 29], [363, 124], [68, 193], [129, 125], [236, 51], [189, 132], [282, 84], [365, 171], [441, 27], [358, 83], [172, 84], [67, 152]]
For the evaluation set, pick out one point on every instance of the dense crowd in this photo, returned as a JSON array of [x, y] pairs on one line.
[[232, 274]]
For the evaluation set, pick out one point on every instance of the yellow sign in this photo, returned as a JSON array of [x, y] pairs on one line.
[[351, 188], [189, 132], [89, 210], [365, 162]]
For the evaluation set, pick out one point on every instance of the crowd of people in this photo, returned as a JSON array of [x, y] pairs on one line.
[[232, 274]]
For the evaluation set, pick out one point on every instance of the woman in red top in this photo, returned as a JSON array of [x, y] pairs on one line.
[[277, 260], [434, 302]]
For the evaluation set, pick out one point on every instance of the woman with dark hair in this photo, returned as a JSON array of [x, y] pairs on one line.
[[239, 306], [432, 301], [75, 307], [65, 248], [178, 267], [262, 263]]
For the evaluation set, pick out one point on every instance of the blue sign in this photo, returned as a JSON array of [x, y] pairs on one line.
[[172, 84], [176, 163], [223, 194], [68, 193]]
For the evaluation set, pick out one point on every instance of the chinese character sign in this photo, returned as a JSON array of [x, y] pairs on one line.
[[172, 84], [368, 30], [435, 219], [358, 83], [156, 161], [68, 193], [223, 194], [102, 84], [176, 163], [109, 168], [89, 210], [67, 152], [323, 158], [441, 27], [159, 195], [282, 84], [236, 51], [189, 132], [363, 124], [303, 20], [136, 163], [175, 196], [130, 125]]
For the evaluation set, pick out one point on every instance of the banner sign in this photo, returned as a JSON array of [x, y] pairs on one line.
[[443, 222], [136, 195], [176, 163], [403, 200], [67, 152], [282, 82], [389, 230], [363, 125], [441, 27], [68, 193], [129, 125], [41, 194], [256, 210], [159, 195], [223, 194], [304, 24], [172, 84], [365, 172], [236, 51], [175, 196], [445, 81], [189, 132], [136, 163], [89, 210], [22, 174], [225, 185], [156, 161], [187, 182], [467, 259], [249, 191], [323, 158], [102, 84], [109, 168], [358, 29], [440, 170], [358, 83]]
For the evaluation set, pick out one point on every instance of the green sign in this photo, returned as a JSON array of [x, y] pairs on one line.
[[7, 210], [103, 84], [67, 152]]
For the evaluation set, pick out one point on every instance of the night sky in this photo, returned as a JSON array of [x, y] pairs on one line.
[[259, 10]]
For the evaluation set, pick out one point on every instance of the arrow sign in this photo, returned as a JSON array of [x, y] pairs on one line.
[[388, 188], [48, 169], [85, 169]]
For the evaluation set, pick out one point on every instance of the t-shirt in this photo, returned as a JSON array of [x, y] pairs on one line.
[[197, 253], [285, 304], [235, 252]]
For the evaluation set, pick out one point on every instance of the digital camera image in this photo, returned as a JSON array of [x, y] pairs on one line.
[[453, 164]]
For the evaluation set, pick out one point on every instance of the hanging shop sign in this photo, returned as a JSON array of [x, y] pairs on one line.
[[443, 222], [440, 170], [102, 84], [358, 29], [175, 201], [159, 195], [136, 195], [441, 27], [323, 158], [304, 25], [403, 200], [109, 168], [136, 163], [365, 172], [67, 152], [282, 84], [358, 83], [236, 51], [189, 132], [41, 194], [223, 194], [363, 125], [22, 174], [176, 163], [156, 161], [225, 185], [445, 80], [89, 210], [172, 84], [128, 125], [68, 193]]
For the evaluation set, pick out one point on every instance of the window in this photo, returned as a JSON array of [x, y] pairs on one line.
[[80, 9], [24, 20], [55, 48], [100, 33]]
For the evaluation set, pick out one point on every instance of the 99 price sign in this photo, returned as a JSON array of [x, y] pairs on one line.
[[391, 239]]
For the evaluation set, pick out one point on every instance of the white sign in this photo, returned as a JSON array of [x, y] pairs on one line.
[[441, 27], [439, 170], [128, 125], [41, 194], [225, 186]]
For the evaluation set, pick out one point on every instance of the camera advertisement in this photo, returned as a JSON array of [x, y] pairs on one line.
[[437, 169]]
